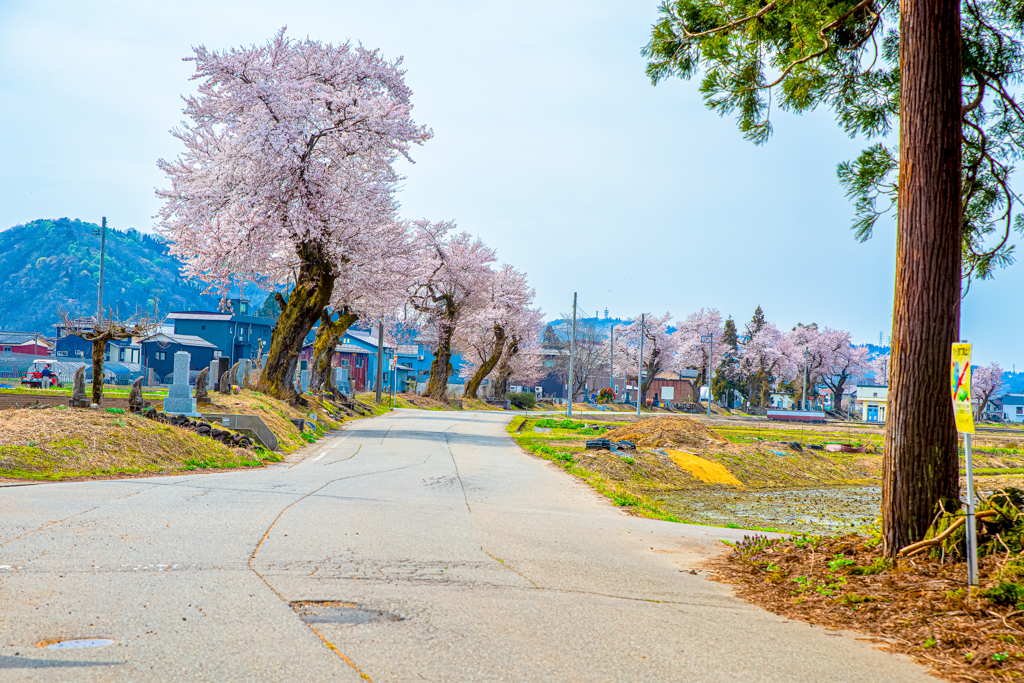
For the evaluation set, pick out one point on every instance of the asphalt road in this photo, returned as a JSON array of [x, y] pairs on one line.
[[465, 559]]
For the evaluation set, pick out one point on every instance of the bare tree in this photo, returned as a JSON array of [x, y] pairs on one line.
[[107, 329], [590, 362]]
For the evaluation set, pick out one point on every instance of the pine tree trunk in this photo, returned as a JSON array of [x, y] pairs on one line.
[[473, 385], [99, 349], [920, 462], [307, 300], [327, 337]]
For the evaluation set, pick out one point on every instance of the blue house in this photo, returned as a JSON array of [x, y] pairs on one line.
[[158, 351], [237, 333]]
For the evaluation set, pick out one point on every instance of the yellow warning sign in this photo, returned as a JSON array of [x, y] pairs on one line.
[[960, 372]]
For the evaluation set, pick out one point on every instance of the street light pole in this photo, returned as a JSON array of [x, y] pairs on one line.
[[572, 352], [611, 360], [640, 366]]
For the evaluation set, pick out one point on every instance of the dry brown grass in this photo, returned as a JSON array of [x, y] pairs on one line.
[[276, 414], [56, 443]]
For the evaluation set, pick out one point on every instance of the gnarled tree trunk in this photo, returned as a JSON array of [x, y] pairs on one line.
[[305, 303], [505, 368], [99, 349], [327, 337], [441, 366], [473, 385], [921, 461]]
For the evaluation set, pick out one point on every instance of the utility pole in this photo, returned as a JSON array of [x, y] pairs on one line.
[[380, 358], [572, 351], [710, 339], [103, 255], [640, 366], [611, 360], [805, 378]]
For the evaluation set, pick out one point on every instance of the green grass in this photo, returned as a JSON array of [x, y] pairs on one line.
[[989, 471]]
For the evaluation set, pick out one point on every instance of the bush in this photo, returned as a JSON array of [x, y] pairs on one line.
[[522, 401]]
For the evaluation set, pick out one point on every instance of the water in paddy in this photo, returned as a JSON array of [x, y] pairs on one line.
[[816, 511]]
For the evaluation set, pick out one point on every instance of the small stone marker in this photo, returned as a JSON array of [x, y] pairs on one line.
[[304, 381], [202, 397], [244, 370], [78, 397], [225, 384], [179, 399], [136, 404]]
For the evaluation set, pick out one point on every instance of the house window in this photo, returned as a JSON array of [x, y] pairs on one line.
[[135, 355], [875, 394], [160, 355], [343, 363], [202, 327], [244, 308], [120, 354], [62, 353], [7, 349], [1020, 410], [359, 362], [80, 353]]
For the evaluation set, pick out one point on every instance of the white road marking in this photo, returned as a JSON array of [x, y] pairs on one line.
[[319, 456]]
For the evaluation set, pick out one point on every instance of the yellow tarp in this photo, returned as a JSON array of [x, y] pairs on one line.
[[705, 470]]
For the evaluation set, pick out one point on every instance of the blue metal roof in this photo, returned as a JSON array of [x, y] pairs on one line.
[[1013, 400]]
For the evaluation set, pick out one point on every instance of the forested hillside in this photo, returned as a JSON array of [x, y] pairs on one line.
[[49, 264]]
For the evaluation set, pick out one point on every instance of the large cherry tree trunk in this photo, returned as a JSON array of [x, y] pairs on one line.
[[441, 366], [505, 368], [306, 302], [920, 462], [327, 337], [473, 385]]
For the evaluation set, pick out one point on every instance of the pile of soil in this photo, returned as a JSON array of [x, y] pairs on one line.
[[659, 432], [919, 607], [423, 401]]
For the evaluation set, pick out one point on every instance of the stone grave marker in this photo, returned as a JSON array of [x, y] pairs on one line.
[[179, 399]]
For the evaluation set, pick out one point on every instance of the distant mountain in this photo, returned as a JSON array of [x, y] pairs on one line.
[[47, 265]]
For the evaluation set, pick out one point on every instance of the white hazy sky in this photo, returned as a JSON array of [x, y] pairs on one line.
[[550, 143]]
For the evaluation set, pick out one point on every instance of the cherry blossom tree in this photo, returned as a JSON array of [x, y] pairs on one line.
[[487, 329], [660, 346], [767, 356], [843, 363], [522, 361], [693, 353], [286, 174], [373, 288], [986, 380], [451, 281]]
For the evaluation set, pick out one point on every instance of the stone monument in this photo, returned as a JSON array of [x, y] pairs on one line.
[[304, 381], [78, 396], [245, 373], [136, 404], [225, 384], [202, 397], [179, 399], [233, 375]]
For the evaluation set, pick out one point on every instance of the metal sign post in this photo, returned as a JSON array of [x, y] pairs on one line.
[[960, 367], [709, 339]]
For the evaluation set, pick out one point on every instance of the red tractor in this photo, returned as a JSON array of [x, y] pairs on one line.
[[33, 377]]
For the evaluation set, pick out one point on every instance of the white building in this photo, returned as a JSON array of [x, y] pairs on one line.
[[871, 401], [1013, 408]]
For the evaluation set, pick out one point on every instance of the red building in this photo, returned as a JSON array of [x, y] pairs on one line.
[[28, 343]]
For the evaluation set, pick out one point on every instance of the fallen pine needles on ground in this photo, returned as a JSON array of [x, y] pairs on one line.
[[920, 606]]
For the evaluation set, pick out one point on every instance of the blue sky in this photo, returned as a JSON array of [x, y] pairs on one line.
[[550, 143]]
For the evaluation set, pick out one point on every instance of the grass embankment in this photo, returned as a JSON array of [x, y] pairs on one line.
[[60, 442], [417, 402]]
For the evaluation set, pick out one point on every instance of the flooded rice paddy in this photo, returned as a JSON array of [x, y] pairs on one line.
[[827, 511]]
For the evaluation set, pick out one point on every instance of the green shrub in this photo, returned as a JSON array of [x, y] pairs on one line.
[[1007, 593], [522, 401], [116, 411]]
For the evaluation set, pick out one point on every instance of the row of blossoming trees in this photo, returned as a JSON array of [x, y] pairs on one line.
[[288, 178], [762, 358]]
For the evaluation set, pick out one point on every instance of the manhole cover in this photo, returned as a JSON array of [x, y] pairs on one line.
[[336, 612], [72, 644]]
